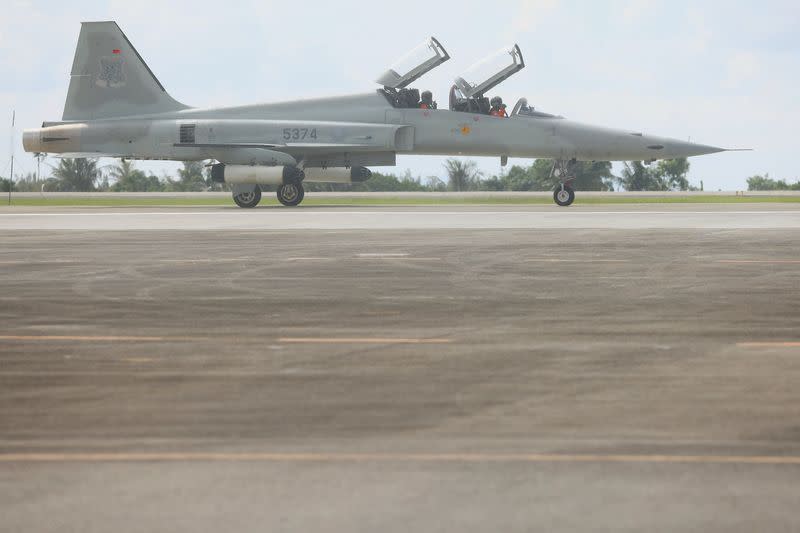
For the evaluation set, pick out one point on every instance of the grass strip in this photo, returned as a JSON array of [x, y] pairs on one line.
[[87, 201]]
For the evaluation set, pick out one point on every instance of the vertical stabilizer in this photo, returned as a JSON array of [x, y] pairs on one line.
[[110, 79]]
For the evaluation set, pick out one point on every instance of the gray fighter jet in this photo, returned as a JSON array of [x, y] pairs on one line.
[[116, 107]]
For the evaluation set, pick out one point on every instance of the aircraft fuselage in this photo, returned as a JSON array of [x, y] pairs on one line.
[[314, 128]]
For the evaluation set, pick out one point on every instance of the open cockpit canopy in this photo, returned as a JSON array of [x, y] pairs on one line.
[[422, 59], [490, 72]]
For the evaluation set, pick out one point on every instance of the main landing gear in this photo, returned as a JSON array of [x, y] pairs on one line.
[[289, 194], [564, 171], [247, 199]]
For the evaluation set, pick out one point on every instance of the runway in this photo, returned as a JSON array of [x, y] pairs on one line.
[[608, 368], [621, 217]]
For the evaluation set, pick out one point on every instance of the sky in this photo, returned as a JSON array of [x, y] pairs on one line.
[[715, 72]]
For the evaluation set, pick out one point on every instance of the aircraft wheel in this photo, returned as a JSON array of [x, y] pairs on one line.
[[291, 194], [564, 195], [248, 199]]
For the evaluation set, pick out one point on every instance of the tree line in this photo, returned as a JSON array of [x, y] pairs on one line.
[[85, 175], [765, 183]]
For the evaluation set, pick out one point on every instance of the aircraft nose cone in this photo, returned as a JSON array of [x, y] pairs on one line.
[[688, 149]]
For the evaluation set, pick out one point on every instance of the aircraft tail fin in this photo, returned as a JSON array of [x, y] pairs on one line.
[[110, 79]]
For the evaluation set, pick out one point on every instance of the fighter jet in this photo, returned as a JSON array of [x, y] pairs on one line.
[[116, 107]]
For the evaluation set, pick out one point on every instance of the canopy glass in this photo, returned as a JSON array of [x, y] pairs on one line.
[[422, 59], [490, 72]]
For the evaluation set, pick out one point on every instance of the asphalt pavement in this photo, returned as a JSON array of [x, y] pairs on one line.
[[517, 368]]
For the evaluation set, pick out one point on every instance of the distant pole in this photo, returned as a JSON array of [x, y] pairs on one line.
[[11, 176]]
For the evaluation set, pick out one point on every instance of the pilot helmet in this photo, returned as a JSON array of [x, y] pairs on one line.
[[496, 101], [427, 97]]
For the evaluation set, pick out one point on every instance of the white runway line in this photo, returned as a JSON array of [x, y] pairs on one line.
[[271, 220]]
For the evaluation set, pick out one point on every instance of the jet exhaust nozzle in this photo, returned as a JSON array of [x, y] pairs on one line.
[[32, 140], [53, 139]]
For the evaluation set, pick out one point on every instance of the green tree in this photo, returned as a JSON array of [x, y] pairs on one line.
[[765, 183], [130, 179], [24, 183], [123, 171], [761, 183], [638, 177], [671, 174], [76, 175], [317, 187], [536, 177], [589, 176], [592, 176], [192, 177], [462, 175], [435, 184], [27, 183], [40, 157], [492, 183], [666, 175], [390, 183]]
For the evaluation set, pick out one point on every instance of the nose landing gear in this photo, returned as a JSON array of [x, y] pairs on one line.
[[564, 195], [564, 171]]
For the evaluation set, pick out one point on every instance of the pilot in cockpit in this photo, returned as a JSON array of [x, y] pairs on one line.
[[426, 100], [498, 108]]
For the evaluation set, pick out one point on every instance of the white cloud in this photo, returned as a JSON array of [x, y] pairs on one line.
[[699, 34], [532, 13], [742, 67], [635, 10]]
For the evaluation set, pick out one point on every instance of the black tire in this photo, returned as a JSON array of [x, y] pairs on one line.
[[564, 196], [248, 199], [291, 194]]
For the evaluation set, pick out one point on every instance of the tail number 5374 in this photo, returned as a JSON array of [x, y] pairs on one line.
[[298, 134]]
